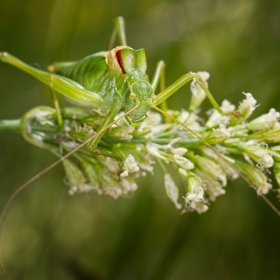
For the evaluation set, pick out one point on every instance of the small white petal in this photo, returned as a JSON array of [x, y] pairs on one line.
[[183, 162], [153, 149], [179, 151], [171, 190]]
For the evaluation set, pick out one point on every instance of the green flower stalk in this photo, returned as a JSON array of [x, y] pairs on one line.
[[129, 151]]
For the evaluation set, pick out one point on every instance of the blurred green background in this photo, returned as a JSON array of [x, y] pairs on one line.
[[51, 235]]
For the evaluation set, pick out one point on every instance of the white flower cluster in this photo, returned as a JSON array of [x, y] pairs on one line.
[[128, 151]]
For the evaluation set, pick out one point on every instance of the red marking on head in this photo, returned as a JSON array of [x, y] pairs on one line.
[[120, 61]]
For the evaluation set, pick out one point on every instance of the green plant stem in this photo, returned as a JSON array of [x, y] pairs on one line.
[[10, 125]]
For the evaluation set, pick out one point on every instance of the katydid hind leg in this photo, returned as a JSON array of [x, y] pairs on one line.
[[118, 31], [107, 121], [57, 109], [120, 28], [63, 85]]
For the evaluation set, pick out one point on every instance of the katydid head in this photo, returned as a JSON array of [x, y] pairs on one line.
[[140, 93], [132, 65]]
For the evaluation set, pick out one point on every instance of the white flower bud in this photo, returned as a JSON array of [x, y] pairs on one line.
[[245, 109], [258, 154], [195, 194], [198, 94], [218, 135], [92, 176], [271, 135], [256, 176], [128, 185], [265, 122], [183, 162], [212, 169], [129, 166], [195, 191], [215, 117], [179, 151], [153, 149], [201, 207], [171, 190], [75, 177]]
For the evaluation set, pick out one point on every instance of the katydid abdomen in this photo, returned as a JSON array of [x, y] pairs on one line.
[[91, 72]]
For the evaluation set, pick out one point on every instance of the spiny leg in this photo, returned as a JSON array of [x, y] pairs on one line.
[[166, 93], [57, 109], [106, 122], [159, 78], [119, 30]]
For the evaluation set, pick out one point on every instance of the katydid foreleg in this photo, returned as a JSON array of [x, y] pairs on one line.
[[116, 107], [166, 93], [159, 78], [57, 109]]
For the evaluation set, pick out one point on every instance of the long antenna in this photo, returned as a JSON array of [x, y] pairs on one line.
[[220, 156], [21, 188]]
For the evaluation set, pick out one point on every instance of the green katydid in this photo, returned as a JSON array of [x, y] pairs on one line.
[[109, 80], [113, 80]]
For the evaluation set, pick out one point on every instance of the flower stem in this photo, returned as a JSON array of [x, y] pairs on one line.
[[10, 124]]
